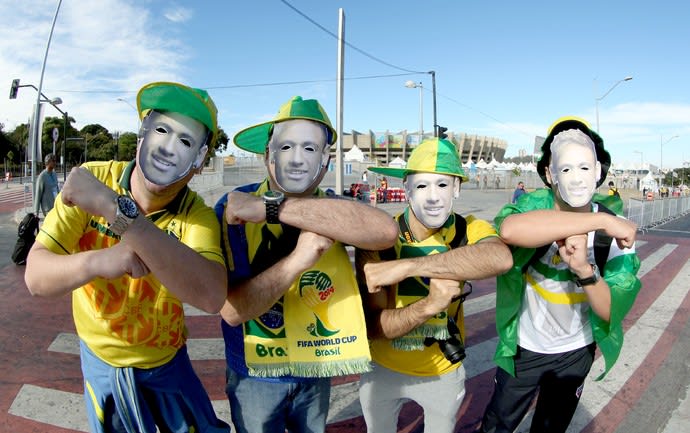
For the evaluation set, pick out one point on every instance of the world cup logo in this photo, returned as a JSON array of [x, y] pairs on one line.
[[316, 290]]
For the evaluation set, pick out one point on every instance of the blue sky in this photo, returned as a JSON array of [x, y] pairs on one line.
[[504, 68]]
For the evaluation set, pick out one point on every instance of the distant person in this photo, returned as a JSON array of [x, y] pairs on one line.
[[47, 187], [384, 189], [613, 190], [497, 181], [413, 294], [131, 243], [293, 317], [519, 191], [569, 289]]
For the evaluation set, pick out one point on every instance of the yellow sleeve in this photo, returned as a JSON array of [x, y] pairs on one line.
[[478, 229]]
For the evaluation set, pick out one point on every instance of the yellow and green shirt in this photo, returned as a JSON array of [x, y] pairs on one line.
[[430, 361], [133, 322]]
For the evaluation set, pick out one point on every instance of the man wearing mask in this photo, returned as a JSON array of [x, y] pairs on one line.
[[414, 296], [131, 242], [573, 280], [293, 316]]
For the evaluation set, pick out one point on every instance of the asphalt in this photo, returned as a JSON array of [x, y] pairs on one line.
[[647, 391]]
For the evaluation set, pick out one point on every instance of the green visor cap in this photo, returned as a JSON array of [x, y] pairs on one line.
[[435, 155], [178, 98], [255, 138]]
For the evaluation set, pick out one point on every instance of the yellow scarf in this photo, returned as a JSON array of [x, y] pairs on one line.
[[317, 328]]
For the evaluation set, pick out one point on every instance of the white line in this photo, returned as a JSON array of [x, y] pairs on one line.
[[66, 409], [639, 340]]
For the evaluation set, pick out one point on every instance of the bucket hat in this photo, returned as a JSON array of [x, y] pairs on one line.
[[255, 138], [435, 155], [166, 96], [564, 124]]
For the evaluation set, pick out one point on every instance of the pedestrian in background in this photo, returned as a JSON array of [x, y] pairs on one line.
[[520, 190], [47, 187]]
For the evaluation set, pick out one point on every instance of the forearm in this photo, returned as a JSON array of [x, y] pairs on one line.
[[471, 262], [599, 296], [541, 227], [188, 275], [395, 322], [346, 221], [253, 297], [49, 274]]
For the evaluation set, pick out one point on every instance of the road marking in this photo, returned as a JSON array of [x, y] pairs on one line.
[[66, 409]]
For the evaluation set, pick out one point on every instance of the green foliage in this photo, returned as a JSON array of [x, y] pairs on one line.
[[100, 144]]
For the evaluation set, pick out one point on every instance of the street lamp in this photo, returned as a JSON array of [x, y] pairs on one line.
[[411, 85], [596, 100], [135, 110], [661, 156], [54, 102]]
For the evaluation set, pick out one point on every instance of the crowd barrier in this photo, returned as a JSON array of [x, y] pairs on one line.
[[649, 213], [393, 195]]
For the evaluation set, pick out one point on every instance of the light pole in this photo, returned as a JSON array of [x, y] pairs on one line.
[[54, 102], [596, 100], [135, 110], [661, 156], [411, 85]]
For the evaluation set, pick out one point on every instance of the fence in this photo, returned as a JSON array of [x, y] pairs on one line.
[[649, 213]]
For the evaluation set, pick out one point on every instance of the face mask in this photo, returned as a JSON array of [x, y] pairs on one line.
[[574, 171], [171, 144], [297, 155], [430, 197]]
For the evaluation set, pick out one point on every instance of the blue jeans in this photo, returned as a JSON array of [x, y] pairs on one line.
[[271, 406]]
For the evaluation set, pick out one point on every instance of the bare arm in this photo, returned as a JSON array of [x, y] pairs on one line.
[[185, 273], [389, 322], [49, 274], [519, 229], [573, 251], [253, 297], [346, 221], [484, 259]]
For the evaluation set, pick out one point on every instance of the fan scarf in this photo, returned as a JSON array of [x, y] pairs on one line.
[[317, 328], [412, 289]]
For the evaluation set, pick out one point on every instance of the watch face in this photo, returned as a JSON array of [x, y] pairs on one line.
[[128, 207], [274, 196]]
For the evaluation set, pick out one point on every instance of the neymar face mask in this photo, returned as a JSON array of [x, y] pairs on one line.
[[298, 155], [574, 168], [170, 146], [431, 197]]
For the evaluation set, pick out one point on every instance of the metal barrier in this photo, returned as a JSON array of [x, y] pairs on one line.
[[649, 213]]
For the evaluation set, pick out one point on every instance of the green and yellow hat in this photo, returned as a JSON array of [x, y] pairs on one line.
[[255, 138], [435, 155], [165, 96]]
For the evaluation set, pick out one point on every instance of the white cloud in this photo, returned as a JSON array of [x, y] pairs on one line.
[[179, 14], [99, 51]]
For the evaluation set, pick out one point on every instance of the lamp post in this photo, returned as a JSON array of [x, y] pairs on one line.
[[596, 100], [661, 156], [54, 102], [412, 85], [135, 110]]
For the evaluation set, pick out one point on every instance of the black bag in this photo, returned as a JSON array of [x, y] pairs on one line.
[[26, 232]]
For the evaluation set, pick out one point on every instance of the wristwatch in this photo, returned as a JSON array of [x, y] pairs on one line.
[[589, 280], [126, 212], [272, 200]]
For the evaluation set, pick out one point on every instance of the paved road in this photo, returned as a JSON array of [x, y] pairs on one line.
[[40, 388]]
